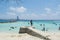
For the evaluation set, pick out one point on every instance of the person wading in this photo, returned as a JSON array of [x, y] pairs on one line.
[[31, 23]]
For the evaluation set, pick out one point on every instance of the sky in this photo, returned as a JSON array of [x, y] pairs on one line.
[[30, 9]]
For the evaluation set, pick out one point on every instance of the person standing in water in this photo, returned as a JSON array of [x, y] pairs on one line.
[[31, 23], [43, 27], [59, 27]]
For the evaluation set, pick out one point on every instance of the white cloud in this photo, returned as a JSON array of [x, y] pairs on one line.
[[13, 12], [29, 16], [18, 9], [48, 10], [7, 16], [9, 13], [59, 5], [12, 8], [49, 14], [45, 16], [21, 9]]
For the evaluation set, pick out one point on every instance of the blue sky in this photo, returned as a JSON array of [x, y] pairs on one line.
[[30, 9]]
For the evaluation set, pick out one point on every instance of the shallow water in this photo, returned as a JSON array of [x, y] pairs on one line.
[[50, 25]]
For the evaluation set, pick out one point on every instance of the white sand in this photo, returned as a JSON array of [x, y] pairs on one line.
[[13, 36], [25, 36], [52, 35]]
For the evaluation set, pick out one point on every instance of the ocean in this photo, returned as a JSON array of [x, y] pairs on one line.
[[13, 27]]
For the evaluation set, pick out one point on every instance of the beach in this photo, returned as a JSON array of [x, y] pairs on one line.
[[29, 19], [25, 36], [7, 33], [13, 36], [52, 35]]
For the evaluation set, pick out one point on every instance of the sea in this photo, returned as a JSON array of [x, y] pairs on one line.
[[14, 27]]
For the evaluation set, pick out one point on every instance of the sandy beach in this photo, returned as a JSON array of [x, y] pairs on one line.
[[52, 35], [25, 36], [13, 36], [55, 36]]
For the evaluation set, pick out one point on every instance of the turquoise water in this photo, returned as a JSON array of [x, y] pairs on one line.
[[50, 25]]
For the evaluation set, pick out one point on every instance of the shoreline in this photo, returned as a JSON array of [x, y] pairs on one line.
[[14, 36], [51, 35]]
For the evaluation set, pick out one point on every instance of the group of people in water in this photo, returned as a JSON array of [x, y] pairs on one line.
[[56, 24], [40, 25], [31, 23], [59, 27], [44, 29]]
